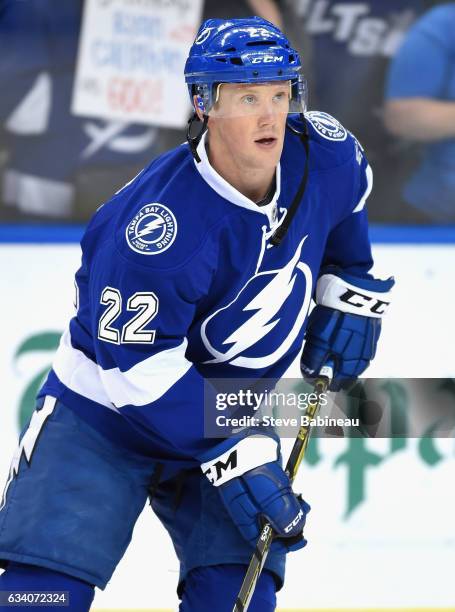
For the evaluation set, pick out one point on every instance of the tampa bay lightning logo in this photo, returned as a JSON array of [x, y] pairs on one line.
[[203, 36], [269, 312], [327, 126], [152, 230]]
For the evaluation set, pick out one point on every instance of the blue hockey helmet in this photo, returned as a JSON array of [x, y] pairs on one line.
[[250, 50]]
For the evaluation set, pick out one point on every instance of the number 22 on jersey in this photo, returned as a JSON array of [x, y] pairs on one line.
[[145, 303]]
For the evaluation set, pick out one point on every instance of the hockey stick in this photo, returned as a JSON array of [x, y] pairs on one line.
[[295, 458]]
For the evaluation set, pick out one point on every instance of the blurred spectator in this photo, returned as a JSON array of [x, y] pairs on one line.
[[421, 108], [55, 165], [268, 9], [351, 46]]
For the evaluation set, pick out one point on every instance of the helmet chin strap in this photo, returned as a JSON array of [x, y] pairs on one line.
[[280, 232], [194, 141]]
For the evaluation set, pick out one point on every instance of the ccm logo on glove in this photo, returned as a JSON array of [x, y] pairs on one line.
[[294, 523], [359, 300], [245, 455], [340, 292], [215, 471]]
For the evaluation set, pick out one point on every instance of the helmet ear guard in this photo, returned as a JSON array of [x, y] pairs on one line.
[[203, 97], [200, 104]]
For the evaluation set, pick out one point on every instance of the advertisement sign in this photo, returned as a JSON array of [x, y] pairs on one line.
[[131, 60]]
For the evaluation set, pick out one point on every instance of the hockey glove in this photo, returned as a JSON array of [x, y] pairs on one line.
[[254, 488], [344, 326]]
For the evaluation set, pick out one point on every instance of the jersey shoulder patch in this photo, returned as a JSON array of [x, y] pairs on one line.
[[152, 230], [327, 126], [332, 144]]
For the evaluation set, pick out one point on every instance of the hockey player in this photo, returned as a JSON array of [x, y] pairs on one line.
[[203, 266]]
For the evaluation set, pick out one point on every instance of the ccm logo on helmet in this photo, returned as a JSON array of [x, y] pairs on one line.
[[215, 471], [267, 59], [295, 522], [359, 300]]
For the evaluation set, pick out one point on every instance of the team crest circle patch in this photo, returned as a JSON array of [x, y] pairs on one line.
[[327, 126], [152, 230]]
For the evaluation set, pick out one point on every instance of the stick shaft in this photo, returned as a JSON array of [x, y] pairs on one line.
[[265, 539]]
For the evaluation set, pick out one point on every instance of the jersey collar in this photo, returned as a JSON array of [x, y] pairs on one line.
[[228, 192]]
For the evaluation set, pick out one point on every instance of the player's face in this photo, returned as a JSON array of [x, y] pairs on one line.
[[250, 121]]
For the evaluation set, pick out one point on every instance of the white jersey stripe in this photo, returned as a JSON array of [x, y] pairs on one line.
[[142, 384], [148, 380], [79, 373], [369, 174]]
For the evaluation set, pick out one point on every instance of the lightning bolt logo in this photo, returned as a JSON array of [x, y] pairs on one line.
[[150, 227], [152, 230], [27, 444], [265, 306]]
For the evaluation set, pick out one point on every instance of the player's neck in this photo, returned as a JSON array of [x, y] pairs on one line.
[[252, 183]]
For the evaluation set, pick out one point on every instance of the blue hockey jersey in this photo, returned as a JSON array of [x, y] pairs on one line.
[[179, 282]]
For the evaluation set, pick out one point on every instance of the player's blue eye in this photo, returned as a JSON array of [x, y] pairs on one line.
[[249, 99], [280, 97]]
